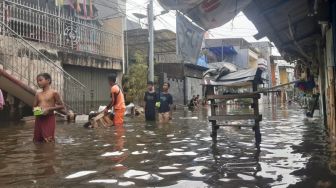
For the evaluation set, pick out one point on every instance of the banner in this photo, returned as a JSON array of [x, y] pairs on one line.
[[189, 39], [208, 14]]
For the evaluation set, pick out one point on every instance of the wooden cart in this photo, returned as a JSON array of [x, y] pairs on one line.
[[245, 78]]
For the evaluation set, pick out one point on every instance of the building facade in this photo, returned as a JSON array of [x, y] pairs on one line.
[[185, 78], [75, 41]]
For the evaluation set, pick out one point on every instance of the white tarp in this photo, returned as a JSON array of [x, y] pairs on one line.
[[179, 4], [241, 78], [208, 14], [189, 39]]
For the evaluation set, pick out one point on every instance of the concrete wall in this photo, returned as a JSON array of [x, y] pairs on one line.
[[86, 60], [165, 57], [176, 89], [25, 64], [194, 87], [242, 58], [98, 90], [115, 25]]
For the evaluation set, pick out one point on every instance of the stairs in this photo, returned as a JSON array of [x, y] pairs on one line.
[[21, 62]]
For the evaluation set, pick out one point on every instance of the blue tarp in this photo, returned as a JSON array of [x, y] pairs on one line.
[[222, 51], [202, 61]]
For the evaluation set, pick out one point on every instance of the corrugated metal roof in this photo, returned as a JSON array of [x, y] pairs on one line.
[[272, 19]]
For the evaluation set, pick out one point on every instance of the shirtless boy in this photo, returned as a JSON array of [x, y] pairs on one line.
[[49, 101]]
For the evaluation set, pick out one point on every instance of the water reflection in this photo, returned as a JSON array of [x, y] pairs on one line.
[[294, 152]]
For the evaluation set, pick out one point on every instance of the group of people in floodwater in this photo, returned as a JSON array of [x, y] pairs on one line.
[[48, 101]]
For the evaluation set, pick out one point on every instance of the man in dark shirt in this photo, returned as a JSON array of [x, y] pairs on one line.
[[166, 101], [150, 99]]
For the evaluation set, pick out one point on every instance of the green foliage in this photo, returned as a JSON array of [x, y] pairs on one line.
[[137, 79]]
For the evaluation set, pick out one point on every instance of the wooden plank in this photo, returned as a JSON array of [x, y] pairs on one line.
[[235, 117], [234, 96]]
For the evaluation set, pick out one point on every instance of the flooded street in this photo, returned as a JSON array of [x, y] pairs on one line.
[[294, 152]]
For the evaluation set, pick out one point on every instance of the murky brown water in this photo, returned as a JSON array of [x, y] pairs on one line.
[[294, 152]]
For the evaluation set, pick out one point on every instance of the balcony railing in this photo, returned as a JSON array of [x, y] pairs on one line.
[[25, 62], [55, 27]]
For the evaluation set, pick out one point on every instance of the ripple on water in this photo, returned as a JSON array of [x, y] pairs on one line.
[[143, 175], [80, 174], [109, 154], [170, 173], [149, 177], [228, 156], [139, 152], [190, 153], [104, 181], [246, 177], [134, 173], [168, 168], [178, 149], [126, 183], [207, 158], [196, 171], [145, 161]]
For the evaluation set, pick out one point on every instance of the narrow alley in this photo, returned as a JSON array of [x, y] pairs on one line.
[[295, 152]]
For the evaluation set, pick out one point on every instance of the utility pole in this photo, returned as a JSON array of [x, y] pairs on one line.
[[151, 41]]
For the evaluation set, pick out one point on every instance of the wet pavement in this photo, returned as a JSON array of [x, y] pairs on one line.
[[295, 152]]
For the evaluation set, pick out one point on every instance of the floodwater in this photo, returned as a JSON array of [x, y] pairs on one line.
[[295, 152]]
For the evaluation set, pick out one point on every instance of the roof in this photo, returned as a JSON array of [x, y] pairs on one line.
[[227, 42], [275, 18]]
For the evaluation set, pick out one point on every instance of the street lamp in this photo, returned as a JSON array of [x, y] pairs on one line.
[[139, 16]]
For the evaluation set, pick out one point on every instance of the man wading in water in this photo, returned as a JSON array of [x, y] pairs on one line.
[[117, 101]]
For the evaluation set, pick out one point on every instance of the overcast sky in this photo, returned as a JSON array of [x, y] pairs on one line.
[[239, 27]]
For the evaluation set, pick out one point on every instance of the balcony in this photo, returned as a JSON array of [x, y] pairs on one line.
[[60, 28]]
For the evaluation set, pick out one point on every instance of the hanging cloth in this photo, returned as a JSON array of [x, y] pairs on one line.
[[84, 8], [71, 4], [78, 8], [91, 9]]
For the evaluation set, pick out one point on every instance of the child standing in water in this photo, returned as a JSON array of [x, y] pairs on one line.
[[150, 99], [48, 100], [166, 102]]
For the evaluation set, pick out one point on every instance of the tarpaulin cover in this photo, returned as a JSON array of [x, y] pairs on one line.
[[208, 14], [241, 78], [189, 39]]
